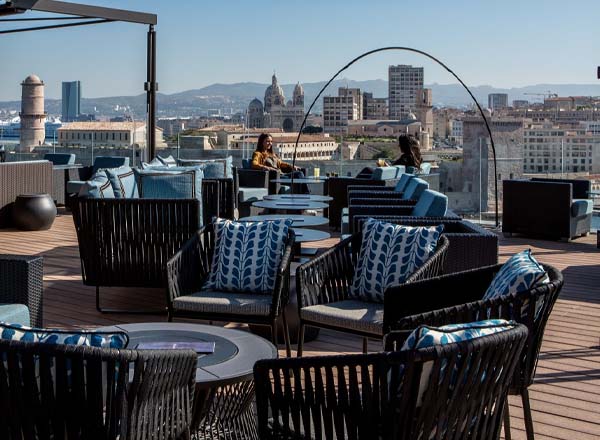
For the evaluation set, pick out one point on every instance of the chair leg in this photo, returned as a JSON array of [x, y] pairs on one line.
[[274, 334], [506, 421], [286, 335], [365, 345], [300, 340], [98, 299], [527, 414]]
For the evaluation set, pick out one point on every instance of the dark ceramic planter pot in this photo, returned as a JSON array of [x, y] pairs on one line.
[[33, 212]]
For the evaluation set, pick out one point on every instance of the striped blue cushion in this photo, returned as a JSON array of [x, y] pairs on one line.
[[247, 255], [389, 254], [16, 332], [98, 187], [520, 273], [123, 182]]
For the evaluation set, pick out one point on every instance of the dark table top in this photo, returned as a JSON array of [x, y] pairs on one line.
[[307, 180], [235, 351], [71, 166], [304, 235], [291, 205], [299, 197], [299, 221]]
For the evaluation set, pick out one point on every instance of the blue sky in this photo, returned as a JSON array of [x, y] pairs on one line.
[[503, 44]]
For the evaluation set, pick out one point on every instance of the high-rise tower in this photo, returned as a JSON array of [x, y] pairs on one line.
[[33, 116], [71, 101], [403, 84]]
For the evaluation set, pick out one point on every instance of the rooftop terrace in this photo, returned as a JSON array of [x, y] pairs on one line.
[[565, 398]]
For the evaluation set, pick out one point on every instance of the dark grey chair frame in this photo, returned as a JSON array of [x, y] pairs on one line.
[[189, 268], [22, 282]]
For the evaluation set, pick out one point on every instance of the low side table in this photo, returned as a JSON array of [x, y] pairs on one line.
[[224, 397], [33, 212]]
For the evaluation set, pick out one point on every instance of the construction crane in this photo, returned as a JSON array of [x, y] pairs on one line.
[[548, 94]]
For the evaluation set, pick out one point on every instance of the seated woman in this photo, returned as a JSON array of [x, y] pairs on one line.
[[264, 158], [410, 157]]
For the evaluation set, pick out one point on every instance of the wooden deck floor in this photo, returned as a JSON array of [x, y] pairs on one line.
[[565, 398]]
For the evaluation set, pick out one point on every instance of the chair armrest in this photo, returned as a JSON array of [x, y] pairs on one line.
[[253, 178], [380, 200], [326, 278], [370, 188], [188, 268], [377, 210], [437, 293]]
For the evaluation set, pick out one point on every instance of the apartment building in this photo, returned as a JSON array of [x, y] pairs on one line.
[[374, 108], [404, 82], [337, 111]]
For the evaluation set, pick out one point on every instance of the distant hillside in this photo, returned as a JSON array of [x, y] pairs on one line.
[[231, 98]]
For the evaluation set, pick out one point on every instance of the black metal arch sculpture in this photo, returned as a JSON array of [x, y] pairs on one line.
[[431, 57]]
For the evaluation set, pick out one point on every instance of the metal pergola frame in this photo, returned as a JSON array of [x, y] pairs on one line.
[[87, 15]]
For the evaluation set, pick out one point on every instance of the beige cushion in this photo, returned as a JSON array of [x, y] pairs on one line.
[[210, 301], [350, 314]]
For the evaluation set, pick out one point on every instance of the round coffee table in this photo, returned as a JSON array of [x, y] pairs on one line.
[[298, 197], [224, 379], [292, 205], [298, 221]]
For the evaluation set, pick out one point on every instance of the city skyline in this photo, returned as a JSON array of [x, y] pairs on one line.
[[202, 44]]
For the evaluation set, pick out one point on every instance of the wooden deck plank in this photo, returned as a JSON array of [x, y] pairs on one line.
[[565, 398]]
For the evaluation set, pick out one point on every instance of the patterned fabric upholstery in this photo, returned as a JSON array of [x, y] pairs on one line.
[[98, 187], [251, 194], [431, 204], [104, 162], [16, 332], [168, 161], [156, 162], [123, 182], [403, 182], [247, 255], [60, 158], [415, 188], [425, 336], [213, 168], [211, 301], [351, 314], [389, 254], [582, 207], [15, 314], [520, 273]]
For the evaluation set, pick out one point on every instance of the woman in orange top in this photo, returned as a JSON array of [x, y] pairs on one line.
[[264, 158]]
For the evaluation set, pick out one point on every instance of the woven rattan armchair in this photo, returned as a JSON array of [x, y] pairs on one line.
[[337, 188], [470, 245], [387, 395], [325, 282], [52, 391], [127, 242], [21, 282], [457, 298], [189, 269]]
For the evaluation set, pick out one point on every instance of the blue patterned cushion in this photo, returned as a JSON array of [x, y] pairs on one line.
[[247, 255], [425, 336], [16, 332], [213, 168], [520, 273], [98, 187], [123, 182], [389, 254]]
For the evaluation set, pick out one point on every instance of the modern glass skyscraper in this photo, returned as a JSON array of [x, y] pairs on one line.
[[71, 100]]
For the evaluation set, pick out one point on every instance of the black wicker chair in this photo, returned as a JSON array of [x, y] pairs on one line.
[[22, 282], [190, 267], [470, 245], [127, 242], [385, 395], [337, 188], [456, 298], [326, 280], [71, 392]]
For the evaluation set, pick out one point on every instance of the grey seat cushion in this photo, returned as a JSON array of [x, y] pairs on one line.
[[250, 194], [211, 301], [581, 207], [350, 314]]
